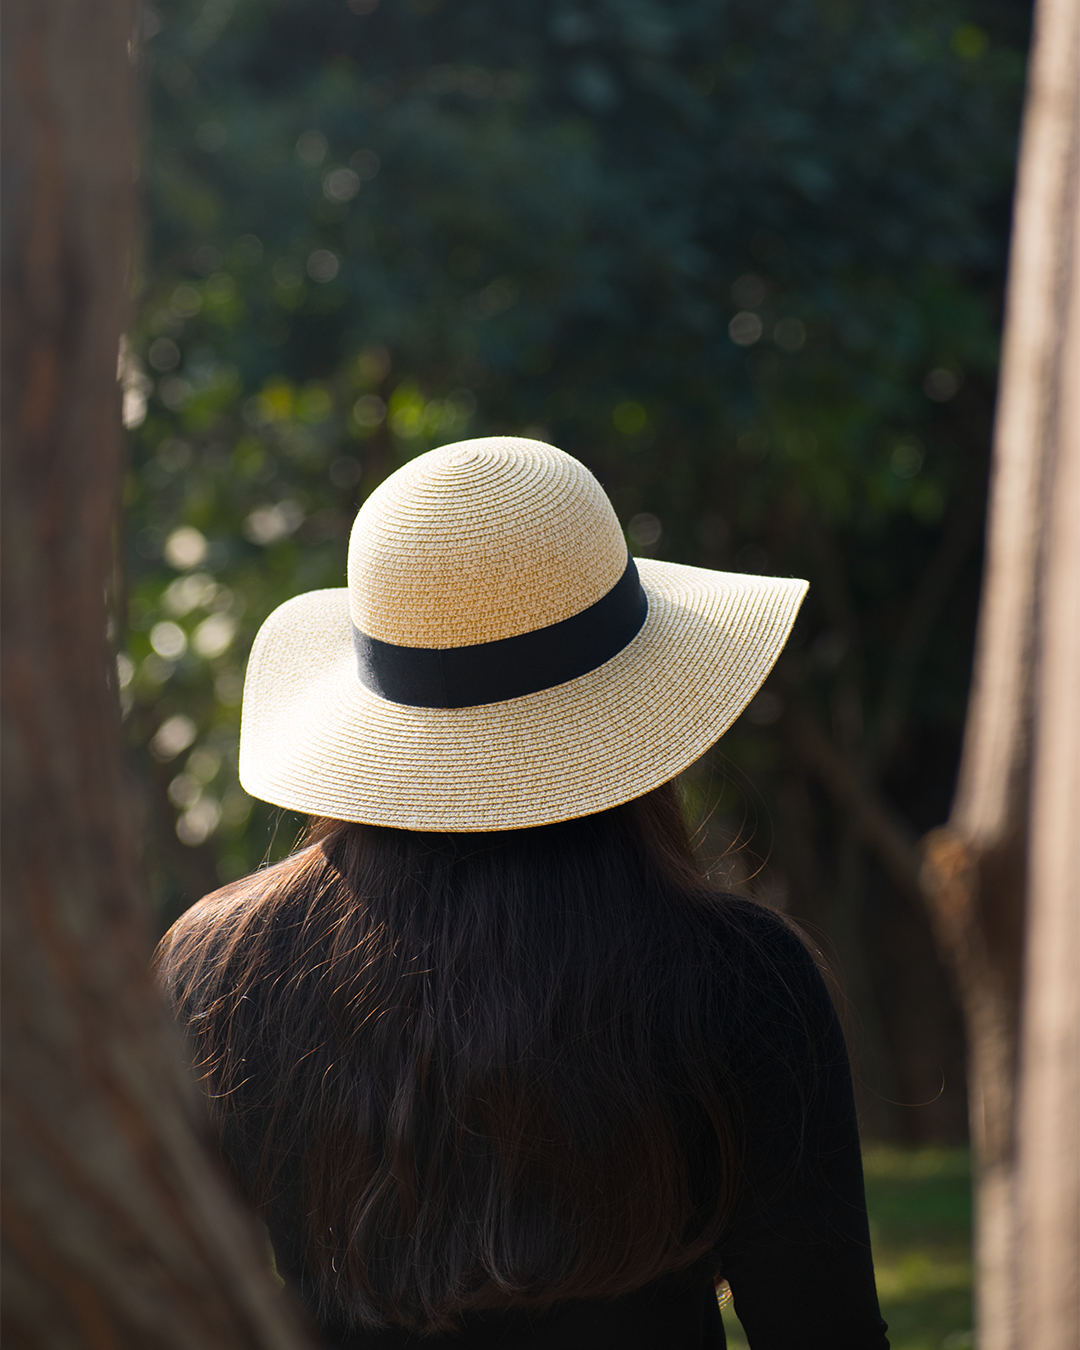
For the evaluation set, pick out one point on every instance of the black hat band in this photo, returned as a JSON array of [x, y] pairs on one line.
[[489, 672]]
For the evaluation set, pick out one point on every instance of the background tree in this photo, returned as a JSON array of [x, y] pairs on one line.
[[116, 1231], [1005, 872], [743, 260]]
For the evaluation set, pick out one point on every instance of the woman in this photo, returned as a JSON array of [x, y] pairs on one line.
[[492, 1059]]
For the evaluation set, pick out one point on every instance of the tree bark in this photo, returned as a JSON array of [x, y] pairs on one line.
[[1005, 870], [117, 1230], [1048, 1109]]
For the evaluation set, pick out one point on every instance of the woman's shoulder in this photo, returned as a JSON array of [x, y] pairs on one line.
[[203, 933], [755, 929], [228, 903], [771, 961], [237, 898]]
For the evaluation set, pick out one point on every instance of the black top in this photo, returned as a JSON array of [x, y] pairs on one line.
[[797, 1251]]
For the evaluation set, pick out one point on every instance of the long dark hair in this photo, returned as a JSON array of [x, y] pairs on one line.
[[482, 1070]]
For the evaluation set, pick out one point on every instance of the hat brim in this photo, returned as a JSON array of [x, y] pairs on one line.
[[314, 739]]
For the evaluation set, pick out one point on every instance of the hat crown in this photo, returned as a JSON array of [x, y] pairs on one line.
[[479, 541]]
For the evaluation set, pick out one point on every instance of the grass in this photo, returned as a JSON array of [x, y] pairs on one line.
[[920, 1223]]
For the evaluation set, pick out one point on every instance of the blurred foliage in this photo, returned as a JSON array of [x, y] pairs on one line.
[[920, 1224], [745, 261]]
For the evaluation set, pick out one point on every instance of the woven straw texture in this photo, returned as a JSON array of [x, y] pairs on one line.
[[480, 541], [315, 740]]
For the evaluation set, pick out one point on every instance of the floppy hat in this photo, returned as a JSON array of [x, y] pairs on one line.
[[498, 660]]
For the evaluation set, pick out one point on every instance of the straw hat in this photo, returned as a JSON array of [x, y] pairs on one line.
[[497, 659]]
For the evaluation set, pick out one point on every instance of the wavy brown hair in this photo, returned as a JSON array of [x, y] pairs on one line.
[[476, 1070]]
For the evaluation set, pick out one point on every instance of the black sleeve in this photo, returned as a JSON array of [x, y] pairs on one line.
[[798, 1254]]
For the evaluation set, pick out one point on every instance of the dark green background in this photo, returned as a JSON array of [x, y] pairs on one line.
[[375, 229]]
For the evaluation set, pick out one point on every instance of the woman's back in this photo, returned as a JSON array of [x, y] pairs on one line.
[[493, 1061], [529, 1084]]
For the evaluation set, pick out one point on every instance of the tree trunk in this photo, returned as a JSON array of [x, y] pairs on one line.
[[117, 1230], [1005, 871], [1048, 1109]]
